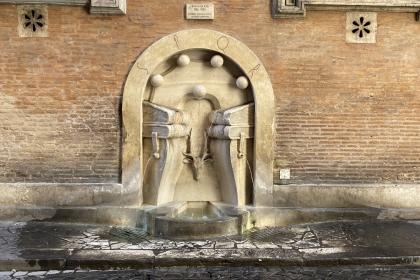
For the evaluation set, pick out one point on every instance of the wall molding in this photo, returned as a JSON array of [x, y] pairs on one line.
[[299, 196], [298, 8], [101, 7], [108, 7]]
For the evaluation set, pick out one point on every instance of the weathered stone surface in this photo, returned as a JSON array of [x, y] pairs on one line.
[[351, 196], [260, 217], [108, 7], [102, 7], [32, 20], [50, 246], [55, 195], [297, 8], [361, 27], [136, 89], [251, 272], [196, 220]]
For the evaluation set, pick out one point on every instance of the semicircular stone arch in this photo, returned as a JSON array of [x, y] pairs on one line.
[[147, 150]]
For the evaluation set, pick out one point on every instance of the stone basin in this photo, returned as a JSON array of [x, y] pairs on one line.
[[196, 220]]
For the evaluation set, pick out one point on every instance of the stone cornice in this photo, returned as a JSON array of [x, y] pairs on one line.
[[104, 7], [297, 8]]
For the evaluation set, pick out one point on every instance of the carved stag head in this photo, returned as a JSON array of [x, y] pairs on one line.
[[197, 161]]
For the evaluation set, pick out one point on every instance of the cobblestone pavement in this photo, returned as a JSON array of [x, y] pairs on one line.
[[250, 273], [37, 235], [45, 246]]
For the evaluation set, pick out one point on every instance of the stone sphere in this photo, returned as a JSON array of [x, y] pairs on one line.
[[217, 61], [183, 60], [199, 91], [157, 80], [242, 82]]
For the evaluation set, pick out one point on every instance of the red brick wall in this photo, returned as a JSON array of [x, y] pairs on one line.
[[345, 113]]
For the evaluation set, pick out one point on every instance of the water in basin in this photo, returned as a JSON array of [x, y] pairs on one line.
[[199, 211]]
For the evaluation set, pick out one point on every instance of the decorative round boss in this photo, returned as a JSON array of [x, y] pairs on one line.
[[217, 61], [183, 60], [199, 91], [157, 80], [242, 82]]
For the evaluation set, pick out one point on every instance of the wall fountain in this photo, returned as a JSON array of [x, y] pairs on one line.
[[195, 120]]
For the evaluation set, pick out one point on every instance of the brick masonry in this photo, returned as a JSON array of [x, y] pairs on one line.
[[345, 113]]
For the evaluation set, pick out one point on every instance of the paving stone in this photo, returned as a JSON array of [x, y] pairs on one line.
[[117, 246], [339, 273], [53, 272], [134, 247], [37, 273], [266, 246], [224, 245], [20, 273], [5, 273], [245, 245]]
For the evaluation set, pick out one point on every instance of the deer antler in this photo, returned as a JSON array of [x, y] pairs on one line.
[[206, 153], [188, 156], [189, 142]]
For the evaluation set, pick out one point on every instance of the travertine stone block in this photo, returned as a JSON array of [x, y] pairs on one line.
[[361, 28], [297, 8], [108, 7], [32, 21], [102, 7], [224, 179]]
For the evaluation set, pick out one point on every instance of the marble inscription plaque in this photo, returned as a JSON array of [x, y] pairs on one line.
[[202, 11]]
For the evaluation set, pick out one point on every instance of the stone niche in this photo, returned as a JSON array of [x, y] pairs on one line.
[[198, 123]]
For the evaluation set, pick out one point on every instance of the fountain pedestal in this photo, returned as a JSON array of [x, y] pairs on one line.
[[196, 220]]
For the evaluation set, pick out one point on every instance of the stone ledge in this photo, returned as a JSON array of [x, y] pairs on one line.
[[348, 196], [65, 194], [298, 8], [108, 7], [101, 7], [100, 215], [294, 195], [133, 216]]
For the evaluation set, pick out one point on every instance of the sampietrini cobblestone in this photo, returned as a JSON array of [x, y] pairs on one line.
[[252, 273]]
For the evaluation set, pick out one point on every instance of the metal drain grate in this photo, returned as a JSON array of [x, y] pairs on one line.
[[132, 235]]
